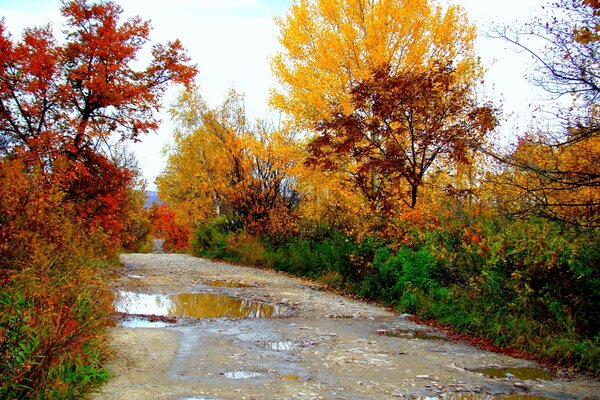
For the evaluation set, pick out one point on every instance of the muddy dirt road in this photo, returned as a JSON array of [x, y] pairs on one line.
[[245, 333]]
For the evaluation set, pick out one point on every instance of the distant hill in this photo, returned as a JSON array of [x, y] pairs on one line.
[[152, 198]]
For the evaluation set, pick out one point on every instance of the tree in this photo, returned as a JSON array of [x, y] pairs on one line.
[[388, 86], [556, 169], [222, 165], [60, 105], [401, 125], [567, 62]]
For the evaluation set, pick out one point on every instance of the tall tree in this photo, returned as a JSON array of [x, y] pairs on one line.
[[389, 87], [556, 169], [400, 127], [60, 104], [221, 164]]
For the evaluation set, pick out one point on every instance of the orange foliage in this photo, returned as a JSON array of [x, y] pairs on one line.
[[176, 237], [61, 103], [221, 165]]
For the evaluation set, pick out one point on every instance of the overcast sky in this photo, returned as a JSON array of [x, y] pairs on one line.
[[231, 42]]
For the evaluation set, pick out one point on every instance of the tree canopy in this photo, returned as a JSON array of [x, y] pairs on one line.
[[389, 87]]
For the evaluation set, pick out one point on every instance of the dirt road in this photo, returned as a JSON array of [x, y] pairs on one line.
[[285, 338]]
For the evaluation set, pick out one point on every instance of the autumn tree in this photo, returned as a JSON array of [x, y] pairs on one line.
[[388, 87], [62, 104], [400, 127], [554, 169], [221, 164]]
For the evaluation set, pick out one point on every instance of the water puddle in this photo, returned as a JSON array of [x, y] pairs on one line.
[[229, 284], [142, 322], [192, 305], [520, 373], [242, 374], [196, 398], [290, 377], [280, 346], [410, 334]]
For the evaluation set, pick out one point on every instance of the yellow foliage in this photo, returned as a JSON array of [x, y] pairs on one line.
[[559, 182], [221, 164], [329, 44]]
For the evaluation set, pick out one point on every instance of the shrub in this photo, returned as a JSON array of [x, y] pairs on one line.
[[50, 339], [210, 239]]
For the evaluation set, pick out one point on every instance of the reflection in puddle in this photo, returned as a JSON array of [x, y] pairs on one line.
[[280, 346], [291, 377], [520, 373], [140, 322], [242, 374], [192, 305], [228, 283], [196, 398]]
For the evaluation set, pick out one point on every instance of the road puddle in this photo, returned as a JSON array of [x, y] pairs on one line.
[[280, 346], [242, 374], [520, 373], [141, 322], [192, 305], [197, 398]]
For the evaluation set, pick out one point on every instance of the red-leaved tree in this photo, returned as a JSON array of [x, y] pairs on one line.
[[62, 103]]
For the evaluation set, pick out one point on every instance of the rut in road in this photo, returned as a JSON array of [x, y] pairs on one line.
[[296, 342]]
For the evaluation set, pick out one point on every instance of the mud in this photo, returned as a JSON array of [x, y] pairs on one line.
[[318, 346]]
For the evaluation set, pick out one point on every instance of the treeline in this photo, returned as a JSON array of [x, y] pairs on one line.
[[383, 178], [69, 190]]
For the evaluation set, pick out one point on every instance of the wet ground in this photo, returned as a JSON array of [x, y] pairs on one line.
[[192, 329]]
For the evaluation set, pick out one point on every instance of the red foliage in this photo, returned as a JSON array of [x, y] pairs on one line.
[[176, 237], [60, 104]]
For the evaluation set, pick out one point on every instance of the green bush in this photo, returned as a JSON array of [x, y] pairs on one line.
[[210, 239], [396, 275]]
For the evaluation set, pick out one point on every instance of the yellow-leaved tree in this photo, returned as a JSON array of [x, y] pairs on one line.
[[222, 165], [386, 86]]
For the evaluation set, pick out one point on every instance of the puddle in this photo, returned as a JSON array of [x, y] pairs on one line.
[[290, 377], [520, 373], [280, 346], [229, 284], [242, 374], [192, 305], [410, 334], [197, 398], [141, 322]]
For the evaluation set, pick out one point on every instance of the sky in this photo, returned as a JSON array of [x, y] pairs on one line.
[[231, 41]]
